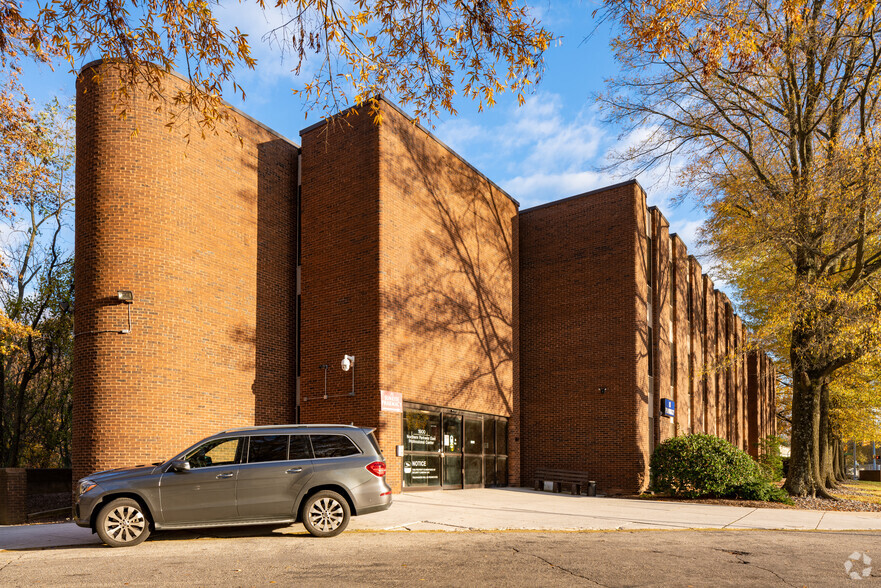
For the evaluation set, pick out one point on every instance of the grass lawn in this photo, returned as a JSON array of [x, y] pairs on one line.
[[859, 490]]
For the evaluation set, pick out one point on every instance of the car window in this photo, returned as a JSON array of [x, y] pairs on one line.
[[300, 447], [268, 448], [333, 446], [373, 442], [213, 453]]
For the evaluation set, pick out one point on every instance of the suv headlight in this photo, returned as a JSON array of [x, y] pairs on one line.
[[85, 486]]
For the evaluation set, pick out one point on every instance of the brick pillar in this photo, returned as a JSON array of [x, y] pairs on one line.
[[698, 328], [711, 372], [13, 496]]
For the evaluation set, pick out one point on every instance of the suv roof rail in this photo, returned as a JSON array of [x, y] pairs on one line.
[[291, 426]]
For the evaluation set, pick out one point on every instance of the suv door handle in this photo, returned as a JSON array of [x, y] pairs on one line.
[[226, 475], [294, 471]]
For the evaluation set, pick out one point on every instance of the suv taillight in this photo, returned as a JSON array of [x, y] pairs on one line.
[[377, 468]]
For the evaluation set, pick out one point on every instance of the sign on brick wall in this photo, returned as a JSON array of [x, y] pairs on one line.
[[391, 401]]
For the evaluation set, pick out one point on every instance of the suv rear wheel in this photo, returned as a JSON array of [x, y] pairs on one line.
[[122, 523], [325, 514]]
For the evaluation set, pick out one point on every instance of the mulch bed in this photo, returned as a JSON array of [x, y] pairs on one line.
[[843, 504]]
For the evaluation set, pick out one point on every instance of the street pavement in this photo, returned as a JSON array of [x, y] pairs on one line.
[[511, 537], [263, 557]]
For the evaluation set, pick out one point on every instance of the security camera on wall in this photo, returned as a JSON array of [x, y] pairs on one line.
[[348, 362]]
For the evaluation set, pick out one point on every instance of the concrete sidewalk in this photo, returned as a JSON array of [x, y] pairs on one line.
[[520, 509]]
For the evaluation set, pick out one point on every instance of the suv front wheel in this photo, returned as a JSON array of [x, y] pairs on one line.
[[122, 523], [325, 514]]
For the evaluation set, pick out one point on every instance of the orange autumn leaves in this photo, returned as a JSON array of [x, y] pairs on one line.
[[423, 52]]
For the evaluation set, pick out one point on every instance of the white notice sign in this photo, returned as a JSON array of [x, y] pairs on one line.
[[391, 401]]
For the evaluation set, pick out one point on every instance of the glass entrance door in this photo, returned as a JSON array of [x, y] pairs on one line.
[[473, 453], [422, 447], [453, 449]]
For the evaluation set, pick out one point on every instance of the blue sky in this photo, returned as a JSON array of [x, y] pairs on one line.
[[548, 149]]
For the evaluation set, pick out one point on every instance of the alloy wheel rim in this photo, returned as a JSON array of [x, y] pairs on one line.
[[326, 514], [125, 524]]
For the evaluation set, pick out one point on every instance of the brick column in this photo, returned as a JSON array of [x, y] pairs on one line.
[[13, 496]]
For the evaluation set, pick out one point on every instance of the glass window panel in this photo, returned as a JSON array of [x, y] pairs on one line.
[[473, 437], [300, 447], [489, 436], [374, 442], [489, 469], [214, 453], [502, 437], [333, 446], [421, 470], [452, 434], [452, 470], [502, 470], [268, 448], [421, 431], [473, 468]]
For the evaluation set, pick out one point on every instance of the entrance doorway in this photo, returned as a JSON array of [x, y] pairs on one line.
[[447, 448]]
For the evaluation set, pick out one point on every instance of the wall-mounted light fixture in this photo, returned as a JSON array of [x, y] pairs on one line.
[[127, 298], [124, 296], [347, 364]]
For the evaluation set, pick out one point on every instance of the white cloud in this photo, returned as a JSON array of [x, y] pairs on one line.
[[546, 153], [459, 134], [687, 230], [539, 188]]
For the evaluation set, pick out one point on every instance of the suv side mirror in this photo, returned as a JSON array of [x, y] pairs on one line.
[[180, 465]]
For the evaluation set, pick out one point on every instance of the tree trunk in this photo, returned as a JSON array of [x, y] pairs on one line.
[[804, 462], [826, 476], [838, 462]]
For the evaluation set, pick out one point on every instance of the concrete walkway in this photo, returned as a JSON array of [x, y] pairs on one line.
[[520, 509]]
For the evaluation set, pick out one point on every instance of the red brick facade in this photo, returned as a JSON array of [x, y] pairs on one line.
[[203, 235], [583, 363], [257, 265], [584, 341], [407, 262]]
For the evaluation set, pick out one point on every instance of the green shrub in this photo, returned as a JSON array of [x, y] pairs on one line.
[[760, 490], [769, 458], [701, 465]]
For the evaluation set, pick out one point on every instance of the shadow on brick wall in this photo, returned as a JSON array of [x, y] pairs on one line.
[[456, 294], [274, 336]]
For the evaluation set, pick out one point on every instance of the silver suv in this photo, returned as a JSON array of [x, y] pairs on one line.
[[317, 474]]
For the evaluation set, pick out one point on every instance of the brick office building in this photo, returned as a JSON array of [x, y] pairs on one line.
[[487, 341]]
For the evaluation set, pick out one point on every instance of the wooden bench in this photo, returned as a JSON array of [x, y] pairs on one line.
[[575, 480]]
